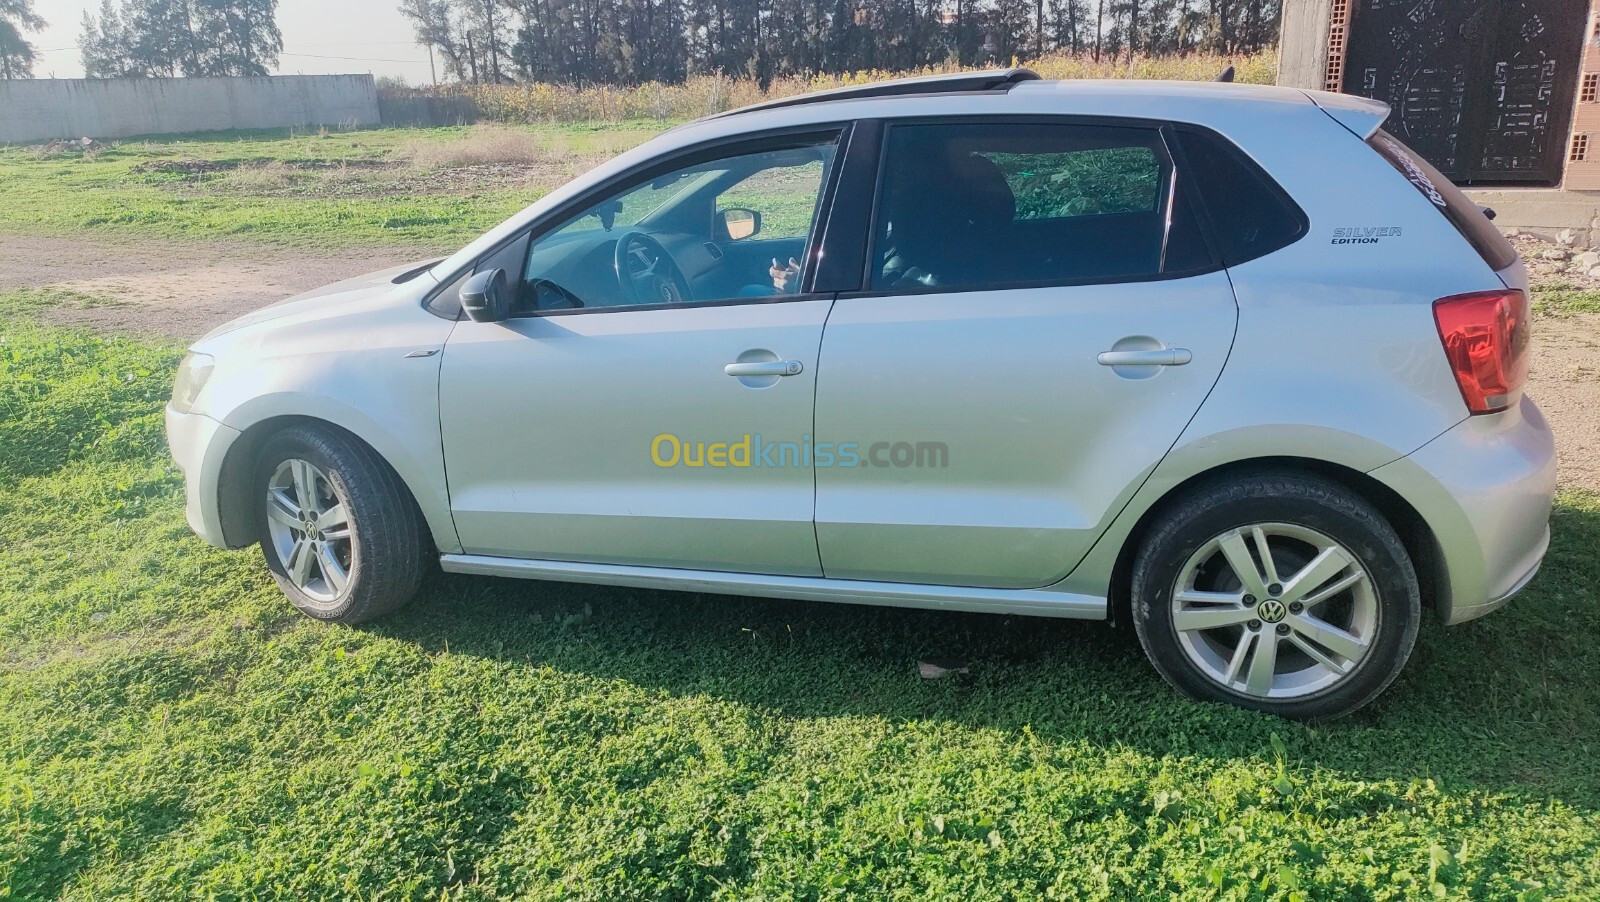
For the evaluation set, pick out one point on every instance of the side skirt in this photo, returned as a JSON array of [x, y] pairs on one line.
[[1033, 602]]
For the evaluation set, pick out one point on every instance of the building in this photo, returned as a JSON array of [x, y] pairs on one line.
[[1502, 95]]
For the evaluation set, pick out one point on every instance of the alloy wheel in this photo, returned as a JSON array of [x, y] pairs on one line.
[[309, 526], [1275, 610]]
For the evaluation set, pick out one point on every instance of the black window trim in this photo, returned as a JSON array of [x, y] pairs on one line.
[[1184, 181], [839, 132], [847, 230]]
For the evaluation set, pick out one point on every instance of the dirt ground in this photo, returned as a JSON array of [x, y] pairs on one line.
[[182, 290], [1566, 384], [179, 289]]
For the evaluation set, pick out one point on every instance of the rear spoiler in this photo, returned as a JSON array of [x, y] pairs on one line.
[[1361, 115]]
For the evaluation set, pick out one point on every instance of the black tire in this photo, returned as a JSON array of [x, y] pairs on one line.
[[1298, 501], [387, 545]]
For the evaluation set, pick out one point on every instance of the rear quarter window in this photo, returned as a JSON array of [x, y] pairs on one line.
[[1251, 216], [1465, 215]]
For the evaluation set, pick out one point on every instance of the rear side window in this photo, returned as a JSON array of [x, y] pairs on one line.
[[1081, 182], [985, 205], [1250, 215], [1447, 199]]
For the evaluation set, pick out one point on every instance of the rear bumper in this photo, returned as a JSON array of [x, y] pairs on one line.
[[199, 444], [1485, 488]]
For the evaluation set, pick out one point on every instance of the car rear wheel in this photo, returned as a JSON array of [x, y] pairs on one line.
[[1285, 593], [340, 534]]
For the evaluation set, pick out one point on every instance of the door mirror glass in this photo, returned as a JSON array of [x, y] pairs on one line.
[[739, 223], [487, 296]]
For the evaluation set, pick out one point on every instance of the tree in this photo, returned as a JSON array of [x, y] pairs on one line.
[[167, 38], [16, 54], [475, 37], [634, 41], [1068, 29], [103, 43], [483, 27], [435, 26]]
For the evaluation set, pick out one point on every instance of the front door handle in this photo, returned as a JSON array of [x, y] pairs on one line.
[[1157, 357], [765, 368]]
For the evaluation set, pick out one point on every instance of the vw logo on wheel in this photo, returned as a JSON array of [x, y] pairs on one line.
[[1272, 610]]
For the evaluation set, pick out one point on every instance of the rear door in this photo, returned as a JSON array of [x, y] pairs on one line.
[[1042, 318]]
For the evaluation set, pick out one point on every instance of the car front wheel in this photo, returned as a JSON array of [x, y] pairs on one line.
[[1284, 593], [339, 531]]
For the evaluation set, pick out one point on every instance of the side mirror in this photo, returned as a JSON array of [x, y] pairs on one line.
[[739, 223], [487, 296]]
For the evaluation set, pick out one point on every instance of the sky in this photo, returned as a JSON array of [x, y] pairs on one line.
[[320, 37]]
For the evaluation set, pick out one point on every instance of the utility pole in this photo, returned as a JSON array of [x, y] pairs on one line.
[[433, 73], [1038, 29], [1099, 20], [1133, 29], [494, 45]]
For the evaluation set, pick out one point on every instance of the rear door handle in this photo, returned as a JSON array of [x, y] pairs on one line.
[[765, 368], [1157, 357]]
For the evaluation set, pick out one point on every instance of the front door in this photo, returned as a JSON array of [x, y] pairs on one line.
[[1035, 339], [637, 408]]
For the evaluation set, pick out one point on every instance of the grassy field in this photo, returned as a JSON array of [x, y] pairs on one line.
[[168, 728], [439, 187]]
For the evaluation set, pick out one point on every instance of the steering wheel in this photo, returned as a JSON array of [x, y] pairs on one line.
[[646, 273]]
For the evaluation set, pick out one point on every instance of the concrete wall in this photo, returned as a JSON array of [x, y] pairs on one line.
[[1544, 212], [1303, 43], [423, 111], [43, 109]]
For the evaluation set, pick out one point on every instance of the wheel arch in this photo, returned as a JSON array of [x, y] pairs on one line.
[[1415, 533], [235, 500]]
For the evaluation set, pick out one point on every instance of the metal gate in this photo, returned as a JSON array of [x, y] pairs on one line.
[[1484, 89]]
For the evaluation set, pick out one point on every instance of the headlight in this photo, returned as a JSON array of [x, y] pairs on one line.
[[192, 375]]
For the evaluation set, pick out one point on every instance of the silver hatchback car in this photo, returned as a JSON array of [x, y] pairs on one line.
[[1228, 362]]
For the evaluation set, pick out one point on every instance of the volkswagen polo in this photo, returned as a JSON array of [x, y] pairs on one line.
[[1226, 362]]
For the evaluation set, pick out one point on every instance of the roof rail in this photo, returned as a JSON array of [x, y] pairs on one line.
[[986, 80]]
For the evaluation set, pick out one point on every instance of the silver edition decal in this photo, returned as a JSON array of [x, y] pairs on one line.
[[1364, 234]]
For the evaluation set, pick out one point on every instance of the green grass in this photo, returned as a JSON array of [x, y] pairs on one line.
[[66, 192], [1564, 300], [170, 729]]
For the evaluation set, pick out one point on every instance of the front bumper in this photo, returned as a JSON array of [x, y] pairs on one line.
[[199, 444], [1485, 488]]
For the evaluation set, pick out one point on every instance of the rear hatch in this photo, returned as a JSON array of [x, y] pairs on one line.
[[1486, 334], [1468, 218]]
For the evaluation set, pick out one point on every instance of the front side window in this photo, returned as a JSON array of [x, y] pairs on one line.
[[975, 205], [733, 227]]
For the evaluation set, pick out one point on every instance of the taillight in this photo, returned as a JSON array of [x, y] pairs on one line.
[[1486, 337]]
